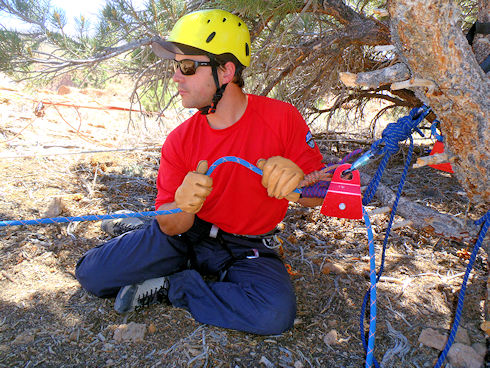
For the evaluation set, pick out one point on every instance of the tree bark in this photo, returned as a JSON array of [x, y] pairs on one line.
[[429, 40]]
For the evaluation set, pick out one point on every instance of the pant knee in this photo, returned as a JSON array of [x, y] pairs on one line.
[[89, 279], [278, 316]]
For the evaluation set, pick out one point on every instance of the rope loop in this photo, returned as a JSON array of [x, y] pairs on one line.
[[400, 130], [393, 133], [433, 131]]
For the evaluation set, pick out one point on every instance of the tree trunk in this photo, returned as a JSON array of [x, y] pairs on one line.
[[429, 40]]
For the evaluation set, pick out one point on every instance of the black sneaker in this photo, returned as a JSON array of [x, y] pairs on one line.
[[141, 295], [119, 226]]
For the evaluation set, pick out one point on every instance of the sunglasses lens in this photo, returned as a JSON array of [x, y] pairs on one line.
[[187, 67]]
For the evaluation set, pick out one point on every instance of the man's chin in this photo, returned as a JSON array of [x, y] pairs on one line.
[[189, 105]]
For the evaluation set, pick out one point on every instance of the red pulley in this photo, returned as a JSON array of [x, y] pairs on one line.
[[343, 198]]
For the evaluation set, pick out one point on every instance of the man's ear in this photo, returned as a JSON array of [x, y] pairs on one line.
[[228, 72]]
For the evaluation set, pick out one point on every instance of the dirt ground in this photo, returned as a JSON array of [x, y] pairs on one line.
[[47, 320]]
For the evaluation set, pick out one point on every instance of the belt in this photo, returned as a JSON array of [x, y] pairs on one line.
[[253, 253], [213, 233]]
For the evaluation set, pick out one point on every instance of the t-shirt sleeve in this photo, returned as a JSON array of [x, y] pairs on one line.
[[301, 147], [171, 172]]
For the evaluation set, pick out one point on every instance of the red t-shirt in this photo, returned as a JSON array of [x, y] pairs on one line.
[[238, 203]]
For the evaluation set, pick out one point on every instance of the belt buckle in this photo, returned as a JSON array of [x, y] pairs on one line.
[[255, 255]]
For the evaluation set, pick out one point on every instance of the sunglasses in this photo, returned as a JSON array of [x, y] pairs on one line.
[[189, 67]]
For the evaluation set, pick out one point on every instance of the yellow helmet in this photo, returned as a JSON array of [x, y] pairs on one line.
[[212, 31]]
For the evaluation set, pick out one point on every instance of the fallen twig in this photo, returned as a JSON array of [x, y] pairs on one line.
[[425, 218]]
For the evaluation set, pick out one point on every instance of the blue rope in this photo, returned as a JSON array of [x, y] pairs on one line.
[[234, 159], [372, 275], [385, 242], [55, 220], [485, 220], [391, 136]]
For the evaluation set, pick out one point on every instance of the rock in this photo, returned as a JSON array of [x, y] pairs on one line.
[[108, 348], [74, 335], [25, 337], [55, 208], [152, 329], [194, 352], [432, 338], [480, 348], [133, 332], [330, 267], [436, 340], [464, 356], [330, 338], [64, 90], [462, 336]]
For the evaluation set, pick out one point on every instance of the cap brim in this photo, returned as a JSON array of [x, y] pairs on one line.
[[164, 49], [167, 49]]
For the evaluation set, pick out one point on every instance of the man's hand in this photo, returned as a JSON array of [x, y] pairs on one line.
[[195, 187], [280, 176]]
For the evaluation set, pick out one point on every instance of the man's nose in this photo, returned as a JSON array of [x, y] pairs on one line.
[[178, 76]]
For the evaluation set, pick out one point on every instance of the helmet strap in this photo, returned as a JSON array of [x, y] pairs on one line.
[[210, 109]]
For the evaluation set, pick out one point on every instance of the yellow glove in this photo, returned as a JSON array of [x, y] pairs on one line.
[[280, 176], [195, 187]]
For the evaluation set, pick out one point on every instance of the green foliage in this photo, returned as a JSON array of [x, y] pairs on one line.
[[253, 9], [31, 9], [10, 44]]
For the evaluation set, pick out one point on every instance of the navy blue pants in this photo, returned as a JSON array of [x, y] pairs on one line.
[[254, 295]]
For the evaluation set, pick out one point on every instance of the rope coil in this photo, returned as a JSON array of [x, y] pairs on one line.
[[393, 134]]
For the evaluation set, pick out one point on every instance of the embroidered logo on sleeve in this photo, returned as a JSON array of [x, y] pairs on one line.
[[309, 140]]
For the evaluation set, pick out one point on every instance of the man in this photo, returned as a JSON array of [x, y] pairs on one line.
[[223, 232]]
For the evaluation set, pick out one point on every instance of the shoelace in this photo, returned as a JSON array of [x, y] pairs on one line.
[[153, 296]]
